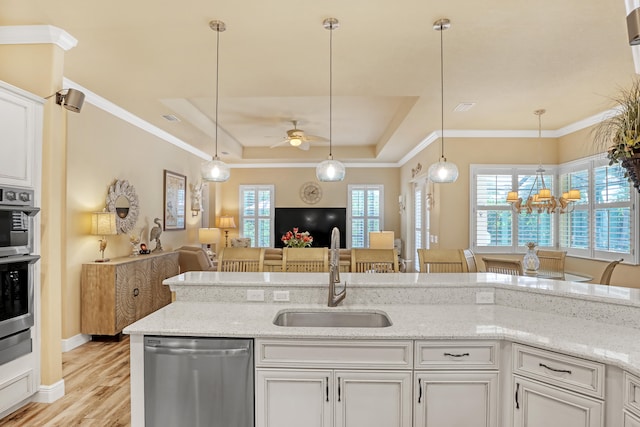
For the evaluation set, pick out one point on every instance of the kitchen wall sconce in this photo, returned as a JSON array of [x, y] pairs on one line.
[[71, 99]]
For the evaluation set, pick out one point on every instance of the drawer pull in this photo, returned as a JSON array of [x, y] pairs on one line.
[[136, 292], [517, 390], [457, 355], [420, 388], [327, 387], [565, 371], [338, 389]]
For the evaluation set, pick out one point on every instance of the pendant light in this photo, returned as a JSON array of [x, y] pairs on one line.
[[216, 170], [443, 171], [330, 170]]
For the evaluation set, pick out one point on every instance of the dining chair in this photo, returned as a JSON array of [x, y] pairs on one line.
[[605, 279], [241, 259], [503, 266], [305, 259], [551, 264], [470, 258], [374, 261], [442, 261]]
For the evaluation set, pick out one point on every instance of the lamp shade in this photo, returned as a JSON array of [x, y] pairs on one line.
[[574, 195], [330, 171], [103, 223], [207, 236], [381, 239], [226, 222], [512, 197]]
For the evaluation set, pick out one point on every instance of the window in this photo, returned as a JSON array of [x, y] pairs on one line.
[[496, 227], [601, 225], [364, 213], [257, 213]]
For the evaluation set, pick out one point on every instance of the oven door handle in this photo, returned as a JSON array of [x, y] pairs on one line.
[[29, 210], [22, 258]]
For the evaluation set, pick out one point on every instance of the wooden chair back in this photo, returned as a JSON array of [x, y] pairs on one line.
[[470, 258], [374, 261], [442, 261], [305, 259], [503, 265], [241, 259], [551, 263], [608, 271]]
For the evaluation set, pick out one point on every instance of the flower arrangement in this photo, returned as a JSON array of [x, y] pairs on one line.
[[296, 239]]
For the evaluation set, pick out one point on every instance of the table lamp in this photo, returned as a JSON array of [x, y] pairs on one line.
[[103, 224], [381, 239], [209, 236], [226, 223]]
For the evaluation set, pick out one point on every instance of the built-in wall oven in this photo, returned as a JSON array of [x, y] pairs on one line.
[[17, 260]]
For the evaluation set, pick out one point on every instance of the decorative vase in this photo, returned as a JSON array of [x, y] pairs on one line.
[[632, 166], [531, 261]]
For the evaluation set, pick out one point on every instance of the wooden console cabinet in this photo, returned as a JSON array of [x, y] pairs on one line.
[[119, 292]]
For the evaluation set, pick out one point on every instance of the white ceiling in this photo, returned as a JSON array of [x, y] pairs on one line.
[[509, 57]]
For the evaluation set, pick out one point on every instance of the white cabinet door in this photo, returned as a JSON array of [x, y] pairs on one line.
[[540, 405], [452, 399], [293, 398], [21, 124], [372, 399]]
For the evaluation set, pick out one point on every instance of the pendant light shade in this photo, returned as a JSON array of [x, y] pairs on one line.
[[330, 170], [442, 172], [216, 170]]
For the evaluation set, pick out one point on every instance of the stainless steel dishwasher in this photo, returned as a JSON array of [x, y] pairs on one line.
[[198, 382]]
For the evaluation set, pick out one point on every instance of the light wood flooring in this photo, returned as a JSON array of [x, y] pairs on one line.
[[97, 390]]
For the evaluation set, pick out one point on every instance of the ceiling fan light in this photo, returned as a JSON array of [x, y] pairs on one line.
[[330, 171], [215, 171], [443, 172], [296, 142]]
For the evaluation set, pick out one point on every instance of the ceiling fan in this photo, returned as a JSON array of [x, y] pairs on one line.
[[297, 138]]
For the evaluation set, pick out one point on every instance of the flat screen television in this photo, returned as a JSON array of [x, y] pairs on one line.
[[317, 221]]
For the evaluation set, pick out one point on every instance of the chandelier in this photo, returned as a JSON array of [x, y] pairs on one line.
[[542, 201]]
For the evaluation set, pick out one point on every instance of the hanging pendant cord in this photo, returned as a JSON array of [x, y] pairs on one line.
[[330, 88], [217, 78], [441, 91]]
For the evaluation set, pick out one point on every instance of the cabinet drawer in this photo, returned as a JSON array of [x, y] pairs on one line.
[[456, 354], [569, 372], [16, 390], [631, 392], [630, 420], [334, 354]]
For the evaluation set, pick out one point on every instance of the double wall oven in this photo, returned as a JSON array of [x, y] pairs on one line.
[[17, 258]]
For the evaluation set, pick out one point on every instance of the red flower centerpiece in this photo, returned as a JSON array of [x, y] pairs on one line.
[[296, 239]]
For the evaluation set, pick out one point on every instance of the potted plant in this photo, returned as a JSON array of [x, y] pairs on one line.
[[619, 134]]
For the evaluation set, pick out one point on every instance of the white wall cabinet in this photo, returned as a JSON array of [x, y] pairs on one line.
[[21, 123]]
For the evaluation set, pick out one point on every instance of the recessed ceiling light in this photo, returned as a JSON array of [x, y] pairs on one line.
[[464, 106], [170, 118]]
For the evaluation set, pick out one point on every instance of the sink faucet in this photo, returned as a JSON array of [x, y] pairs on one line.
[[334, 270]]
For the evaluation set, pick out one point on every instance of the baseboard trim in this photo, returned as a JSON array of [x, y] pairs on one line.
[[49, 393], [75, 341]]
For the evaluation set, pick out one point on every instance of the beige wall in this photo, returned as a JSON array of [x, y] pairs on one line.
[[101, 149], [288, 181]]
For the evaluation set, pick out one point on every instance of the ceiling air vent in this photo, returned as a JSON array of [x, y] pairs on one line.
[[464, 106], [170, 118]]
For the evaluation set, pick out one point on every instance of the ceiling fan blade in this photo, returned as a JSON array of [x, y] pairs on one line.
[[281, 143], [315, 138], [304, 146]]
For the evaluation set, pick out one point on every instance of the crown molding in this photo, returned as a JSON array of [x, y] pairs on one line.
[[37, 34]]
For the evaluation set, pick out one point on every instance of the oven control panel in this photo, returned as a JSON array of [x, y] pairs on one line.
[[16, 196]]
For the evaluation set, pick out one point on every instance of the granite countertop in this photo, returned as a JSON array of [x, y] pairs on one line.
[[528, 323]]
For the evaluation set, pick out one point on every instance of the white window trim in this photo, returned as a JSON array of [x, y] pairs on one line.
[[366, 187], [256, 217]]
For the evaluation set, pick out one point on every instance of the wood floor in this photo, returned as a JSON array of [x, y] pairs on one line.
[[97, 390]]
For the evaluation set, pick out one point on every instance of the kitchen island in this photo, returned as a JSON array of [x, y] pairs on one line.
[[596, 323]]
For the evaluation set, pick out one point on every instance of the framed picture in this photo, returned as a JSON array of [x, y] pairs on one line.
[[175, 195]]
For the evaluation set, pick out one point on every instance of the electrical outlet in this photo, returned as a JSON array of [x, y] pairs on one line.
[[281, 296], [255, 295], [485, 297]]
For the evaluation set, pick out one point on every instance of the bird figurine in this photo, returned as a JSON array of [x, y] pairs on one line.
[[155, 233]]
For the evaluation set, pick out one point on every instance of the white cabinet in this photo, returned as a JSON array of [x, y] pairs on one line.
[[333, 383], [21, 124], [552, 389], [456, 384], [631, 402], [325, 398], [631, 420], [542, 405]]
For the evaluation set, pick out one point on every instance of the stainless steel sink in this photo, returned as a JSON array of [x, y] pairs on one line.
[[333, 319]]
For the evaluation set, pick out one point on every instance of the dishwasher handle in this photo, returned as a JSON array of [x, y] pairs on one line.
[[224, 352]]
